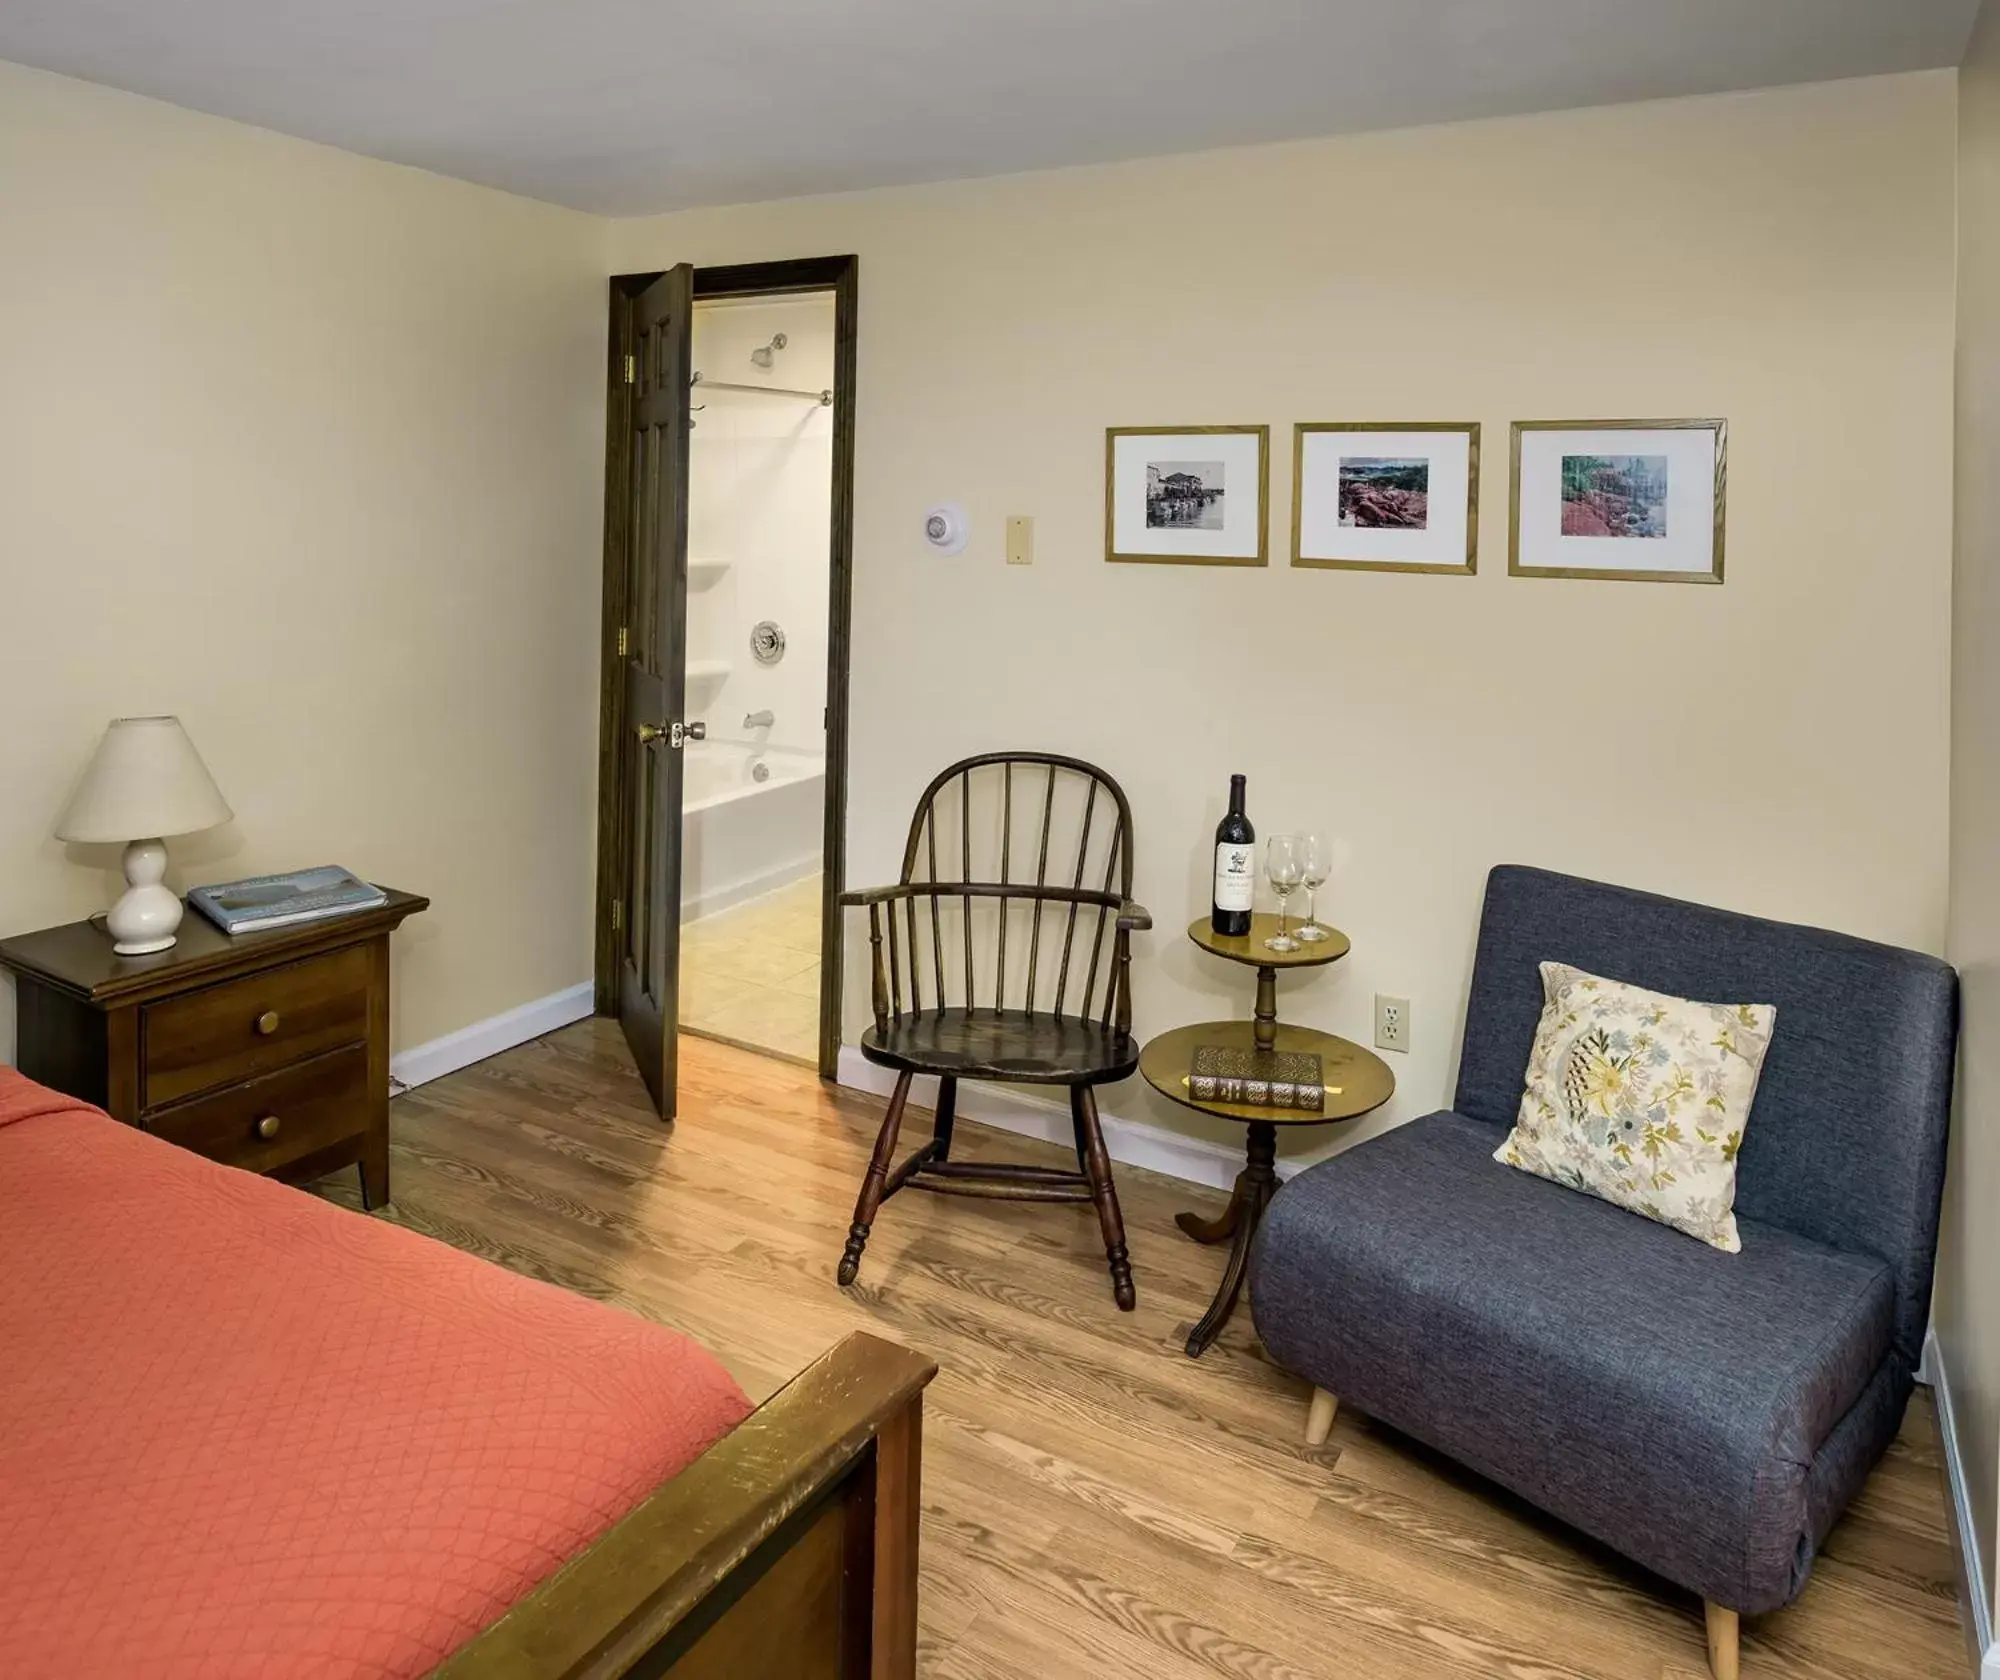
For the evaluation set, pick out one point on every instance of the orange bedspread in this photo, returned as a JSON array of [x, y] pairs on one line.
[[246, 1433]]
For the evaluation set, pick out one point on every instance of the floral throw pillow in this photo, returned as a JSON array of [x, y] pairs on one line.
[[1641, 1099]]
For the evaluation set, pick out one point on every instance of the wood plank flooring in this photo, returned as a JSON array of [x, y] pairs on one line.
[[1095, 1503]]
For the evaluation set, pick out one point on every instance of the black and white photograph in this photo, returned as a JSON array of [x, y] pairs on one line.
[[1186, 494], [1196, 495], [1386, 496], [1637, 500]]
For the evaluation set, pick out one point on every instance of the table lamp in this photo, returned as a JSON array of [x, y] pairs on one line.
[[145, 779]]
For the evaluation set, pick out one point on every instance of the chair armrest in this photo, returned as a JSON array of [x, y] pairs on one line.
[[872, 895], [1134, 918]]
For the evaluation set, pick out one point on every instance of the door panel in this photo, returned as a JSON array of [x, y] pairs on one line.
[[655, 680]]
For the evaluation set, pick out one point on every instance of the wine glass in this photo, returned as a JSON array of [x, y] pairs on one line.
[[1316, 860], [1284, 864]]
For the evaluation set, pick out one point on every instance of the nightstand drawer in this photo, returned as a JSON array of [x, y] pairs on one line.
[[282, 1117], [251, 1026]]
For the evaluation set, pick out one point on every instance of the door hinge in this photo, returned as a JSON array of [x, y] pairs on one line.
[[617, 914], [631, 370], [624, 641]]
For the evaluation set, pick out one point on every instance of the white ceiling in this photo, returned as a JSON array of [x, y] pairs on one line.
[[628, 106]]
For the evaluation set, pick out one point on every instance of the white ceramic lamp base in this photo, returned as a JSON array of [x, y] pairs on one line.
[[146, 918]]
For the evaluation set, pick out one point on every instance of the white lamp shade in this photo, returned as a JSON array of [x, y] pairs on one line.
[[145, 781]]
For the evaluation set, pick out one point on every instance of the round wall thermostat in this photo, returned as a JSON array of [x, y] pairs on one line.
[[946, 528]]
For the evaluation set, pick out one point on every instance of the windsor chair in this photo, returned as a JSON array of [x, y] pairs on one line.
[[933, 935]]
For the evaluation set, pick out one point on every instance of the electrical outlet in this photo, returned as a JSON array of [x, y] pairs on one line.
[[1392, 1023], [1020, 540]]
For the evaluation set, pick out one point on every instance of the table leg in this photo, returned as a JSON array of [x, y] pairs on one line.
[[1255, 1186], [1264, 1027], [1222, 1227]]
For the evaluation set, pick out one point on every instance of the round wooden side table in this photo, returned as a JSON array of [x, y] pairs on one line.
[[1357, 1080]]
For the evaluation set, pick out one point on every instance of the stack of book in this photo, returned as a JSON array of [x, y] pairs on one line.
[[275, 901]]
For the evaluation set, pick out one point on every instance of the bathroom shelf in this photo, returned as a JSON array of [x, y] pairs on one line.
[[707, 674], [702, 573]]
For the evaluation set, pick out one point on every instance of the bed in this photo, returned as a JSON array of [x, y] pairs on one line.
[[250, 1433]]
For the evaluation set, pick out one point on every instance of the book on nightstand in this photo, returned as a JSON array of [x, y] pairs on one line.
[[274, 901], [1260, 1078]]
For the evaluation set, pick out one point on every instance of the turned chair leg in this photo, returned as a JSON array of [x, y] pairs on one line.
[[869, 1203], [1724, 1635], [1319, 1417], [947, 1112], [1097, 1168]]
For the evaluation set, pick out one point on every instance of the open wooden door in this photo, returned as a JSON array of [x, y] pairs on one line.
[[654, 649]]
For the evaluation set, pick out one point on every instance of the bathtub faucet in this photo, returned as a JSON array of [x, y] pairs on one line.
[[759, 720]]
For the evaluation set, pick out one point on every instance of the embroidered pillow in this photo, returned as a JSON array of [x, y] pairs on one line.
[[1640, 1099]]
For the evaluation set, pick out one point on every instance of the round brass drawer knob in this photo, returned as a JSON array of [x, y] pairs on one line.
[[267, 1128], [267, 1023]]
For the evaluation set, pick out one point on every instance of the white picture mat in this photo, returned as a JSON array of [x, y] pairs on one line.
[[1688, 546], [1441, 543], [1241, 455]]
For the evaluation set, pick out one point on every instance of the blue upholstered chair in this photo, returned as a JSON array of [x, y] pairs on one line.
[[1707, 1414]]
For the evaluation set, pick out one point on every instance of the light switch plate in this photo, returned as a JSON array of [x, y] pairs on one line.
[[1020, 540]]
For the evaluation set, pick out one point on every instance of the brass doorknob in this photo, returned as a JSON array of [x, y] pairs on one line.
[[651, 732], [267, 1023], [267, 1128]]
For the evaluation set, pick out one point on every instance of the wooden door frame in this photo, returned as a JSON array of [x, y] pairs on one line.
[[808, 274]]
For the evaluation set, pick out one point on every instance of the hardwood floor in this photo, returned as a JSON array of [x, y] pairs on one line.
[[1095, 1503]]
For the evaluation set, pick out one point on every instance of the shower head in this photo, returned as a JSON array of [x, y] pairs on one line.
[[765, 354]]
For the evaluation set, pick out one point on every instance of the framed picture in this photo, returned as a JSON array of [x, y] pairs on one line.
[[1189, 495], [1389, 497], [1637, 499]]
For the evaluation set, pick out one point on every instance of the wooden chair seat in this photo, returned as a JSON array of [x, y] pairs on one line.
[[1014, 1045], [941, 1009]]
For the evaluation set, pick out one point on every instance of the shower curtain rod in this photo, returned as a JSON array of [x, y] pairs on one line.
[[823, 398]]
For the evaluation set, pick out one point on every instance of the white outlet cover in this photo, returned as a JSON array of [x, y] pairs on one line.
[[946, 528]]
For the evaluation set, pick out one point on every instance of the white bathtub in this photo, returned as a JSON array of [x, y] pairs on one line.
[[741, 837]]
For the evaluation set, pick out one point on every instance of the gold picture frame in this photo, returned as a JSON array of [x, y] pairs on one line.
[[1196, 533], [1707, 543], [1468, 567]]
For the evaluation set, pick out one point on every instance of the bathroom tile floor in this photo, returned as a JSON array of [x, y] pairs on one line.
[[750, 974]]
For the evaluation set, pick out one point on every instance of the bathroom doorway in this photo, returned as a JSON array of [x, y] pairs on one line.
[[764, 579]]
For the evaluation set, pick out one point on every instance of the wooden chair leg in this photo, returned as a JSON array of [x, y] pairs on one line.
[[947, 1112], [1097, 1168], [1319, 1417], [870, 1200], [1724, 1642]]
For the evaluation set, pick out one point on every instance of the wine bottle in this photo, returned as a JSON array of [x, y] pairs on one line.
[[1235, 867]]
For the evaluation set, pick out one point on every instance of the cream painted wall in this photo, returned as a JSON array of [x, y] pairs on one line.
[[1777, 745], [1968, 1288], [307, 449]]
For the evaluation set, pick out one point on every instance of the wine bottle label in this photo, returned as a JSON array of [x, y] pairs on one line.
[[1235, 876]]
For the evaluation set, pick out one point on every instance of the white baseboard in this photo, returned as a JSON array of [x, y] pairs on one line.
[[726, 897], [1134, 1143], [1977, 1586], [422, 1063]]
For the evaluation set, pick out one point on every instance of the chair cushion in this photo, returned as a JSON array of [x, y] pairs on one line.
[[1004, 1044], [1663, 1396]]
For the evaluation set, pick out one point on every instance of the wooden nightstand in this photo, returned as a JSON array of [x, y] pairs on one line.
[[268, 1051]]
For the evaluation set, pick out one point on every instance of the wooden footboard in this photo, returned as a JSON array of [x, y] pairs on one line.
[[788, 1548]]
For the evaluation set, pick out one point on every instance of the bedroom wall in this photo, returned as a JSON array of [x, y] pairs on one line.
[[1779, 745], [307, 449], [1967, 1315]]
